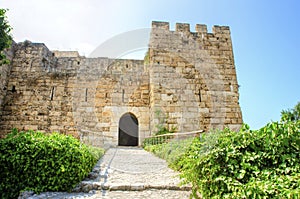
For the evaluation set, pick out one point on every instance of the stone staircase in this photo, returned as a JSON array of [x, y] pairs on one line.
[[126, 172]]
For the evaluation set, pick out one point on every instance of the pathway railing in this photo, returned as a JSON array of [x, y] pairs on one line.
[[158, 139]]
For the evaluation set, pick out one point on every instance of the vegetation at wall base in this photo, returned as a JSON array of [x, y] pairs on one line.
[[43, 162], [170, 151], [161, 131], [264, 163], [248, 164]]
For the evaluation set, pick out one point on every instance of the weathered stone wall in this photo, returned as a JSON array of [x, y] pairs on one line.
[[189, 82], [75, 95], [38, 94], [4, 74], [193, 78], [124, 87]]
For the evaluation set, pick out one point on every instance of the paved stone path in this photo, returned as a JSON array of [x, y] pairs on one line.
[[127, 173]]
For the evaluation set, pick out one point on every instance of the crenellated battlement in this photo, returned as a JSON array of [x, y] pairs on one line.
[[160, 25], [201, 28], [182, 27], [185, 27]]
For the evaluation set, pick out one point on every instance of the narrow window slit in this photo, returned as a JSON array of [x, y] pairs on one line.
[[13, 89], [86, 93], [52, 93], [123, 93], [199, 95]]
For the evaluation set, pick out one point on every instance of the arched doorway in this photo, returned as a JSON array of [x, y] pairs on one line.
[[128, 130]]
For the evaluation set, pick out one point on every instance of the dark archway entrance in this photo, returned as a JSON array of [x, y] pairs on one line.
[[128, 130]]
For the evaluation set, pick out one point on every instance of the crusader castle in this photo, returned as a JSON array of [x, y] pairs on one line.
[[187, 81]]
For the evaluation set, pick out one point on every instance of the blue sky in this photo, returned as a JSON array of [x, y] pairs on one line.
[[265, 37]]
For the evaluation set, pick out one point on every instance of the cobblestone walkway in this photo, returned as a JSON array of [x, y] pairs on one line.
[[127, 173]]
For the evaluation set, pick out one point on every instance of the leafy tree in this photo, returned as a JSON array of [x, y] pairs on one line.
[[5, 36], [291, 114]]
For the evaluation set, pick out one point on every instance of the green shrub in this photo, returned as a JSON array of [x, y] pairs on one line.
[[39, 162], [156, 140], [96, 151], [291, 114], [161, 139], [249, 164], [171, 151], [164, 130]]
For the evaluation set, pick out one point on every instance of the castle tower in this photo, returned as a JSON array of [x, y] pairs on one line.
[[193, 82]]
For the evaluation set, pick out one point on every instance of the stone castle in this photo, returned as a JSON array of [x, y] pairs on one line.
[[187, 81]]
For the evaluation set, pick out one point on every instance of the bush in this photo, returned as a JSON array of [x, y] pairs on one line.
[[96, 151], [171, 151], [161, 139], [156, 140], [39, 162], [249, 164], [291, 114]]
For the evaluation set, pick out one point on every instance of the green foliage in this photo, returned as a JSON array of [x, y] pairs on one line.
[[96, 151], [291, 114], [39, 162], [161, 139], [171, 151], [161, 130], [156, 140], [164, 130], [147, 58], [249, 164], [5, 37]]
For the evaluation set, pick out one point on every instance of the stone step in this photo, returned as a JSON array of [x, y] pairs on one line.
[[124, 173], [87, 186]]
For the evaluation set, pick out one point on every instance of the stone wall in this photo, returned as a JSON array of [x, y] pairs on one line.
[[4, 74], [38, 94], [75, 95], [189, 83], [124, 87], [193, 77]]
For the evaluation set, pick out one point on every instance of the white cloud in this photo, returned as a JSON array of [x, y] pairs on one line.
[[70, 25]]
